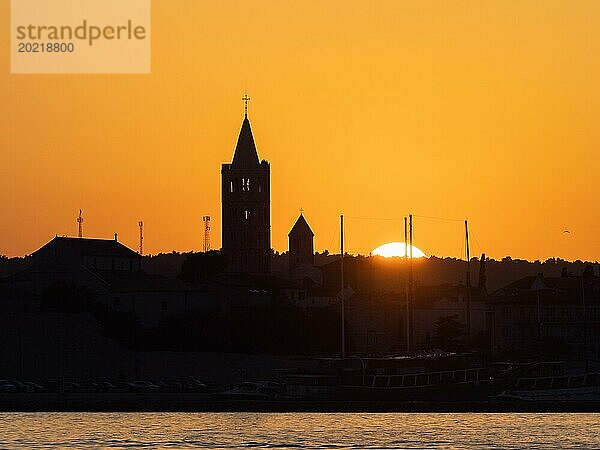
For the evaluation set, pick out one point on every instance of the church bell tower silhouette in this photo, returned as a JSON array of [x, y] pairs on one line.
[[246, 207]]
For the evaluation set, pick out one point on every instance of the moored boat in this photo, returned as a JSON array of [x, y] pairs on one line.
[[564, 388], [428, 376]]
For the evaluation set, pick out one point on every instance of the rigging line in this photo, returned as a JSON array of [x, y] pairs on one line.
[[373, 218], [333, 239], [479, 246], [449, 219]]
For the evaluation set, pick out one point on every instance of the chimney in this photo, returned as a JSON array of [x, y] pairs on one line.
[[116, 237]]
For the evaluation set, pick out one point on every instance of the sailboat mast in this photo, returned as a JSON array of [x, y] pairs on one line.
[[342, 285], [406, 288], [468, 280], [410, 278]]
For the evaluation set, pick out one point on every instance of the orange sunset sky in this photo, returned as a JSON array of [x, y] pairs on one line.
[[463, 109]]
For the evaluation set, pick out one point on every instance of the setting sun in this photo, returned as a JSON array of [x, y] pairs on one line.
[[397, 249]]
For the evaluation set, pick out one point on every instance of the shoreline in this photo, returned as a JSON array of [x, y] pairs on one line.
[[171, 402]]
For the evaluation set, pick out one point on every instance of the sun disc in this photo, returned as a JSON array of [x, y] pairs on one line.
[[396, 249]]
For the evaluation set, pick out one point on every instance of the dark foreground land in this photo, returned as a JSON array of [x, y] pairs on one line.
[[192, 402]]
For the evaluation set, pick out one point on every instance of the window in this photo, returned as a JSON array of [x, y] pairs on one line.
[[163, 306], [506, 332], [246, 214], [245, 184], [506, 312], [301, 295], [231, 186], [116, 301]]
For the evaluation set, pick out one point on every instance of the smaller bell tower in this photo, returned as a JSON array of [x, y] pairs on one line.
[[301, 243]]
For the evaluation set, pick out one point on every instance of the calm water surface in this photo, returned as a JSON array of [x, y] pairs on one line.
[[298, 430]]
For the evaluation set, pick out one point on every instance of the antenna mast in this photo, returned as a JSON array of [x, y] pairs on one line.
[[141, 225], [206, 220], [80, 224]]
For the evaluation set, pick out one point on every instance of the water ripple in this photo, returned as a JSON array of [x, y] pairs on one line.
[[298, 430]]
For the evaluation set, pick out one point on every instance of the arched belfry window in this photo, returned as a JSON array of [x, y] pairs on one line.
[[245, 184]]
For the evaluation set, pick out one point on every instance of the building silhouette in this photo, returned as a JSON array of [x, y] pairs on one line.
[[90, 254], [246, 208], [301, 245], [563, 310]]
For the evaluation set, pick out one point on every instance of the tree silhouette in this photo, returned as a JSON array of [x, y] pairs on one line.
[[199, 266], [588, 272]]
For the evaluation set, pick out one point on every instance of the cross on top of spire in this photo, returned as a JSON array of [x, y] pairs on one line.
[[246, 99]]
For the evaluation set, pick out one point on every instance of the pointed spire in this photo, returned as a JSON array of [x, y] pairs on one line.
[[301, 226], [245, 154]]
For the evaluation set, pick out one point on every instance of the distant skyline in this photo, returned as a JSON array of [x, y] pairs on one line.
[[478, 110]]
